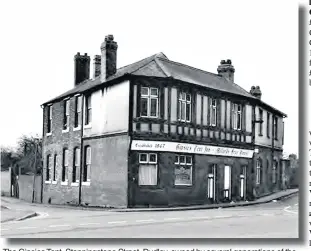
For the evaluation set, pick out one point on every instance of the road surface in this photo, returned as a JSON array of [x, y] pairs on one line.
[[272, 220]]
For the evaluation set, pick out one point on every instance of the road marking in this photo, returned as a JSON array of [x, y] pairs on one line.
[[148, 220], [26, 227], [5, 229], [172, 218], [200, 218], [286, 209], [116, 222], [267, 214], [59, 226], [91, 223]]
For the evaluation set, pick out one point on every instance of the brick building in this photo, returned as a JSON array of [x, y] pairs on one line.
[[158, 133]]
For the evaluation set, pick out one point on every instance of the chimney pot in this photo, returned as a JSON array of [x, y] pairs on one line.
[[81, 68], [108, 58], [226, 69], [256, 92]]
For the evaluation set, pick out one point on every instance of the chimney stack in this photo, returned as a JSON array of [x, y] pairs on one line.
[[97, 65], [108, 58], [226, 70], [256, 92], [82, 68]]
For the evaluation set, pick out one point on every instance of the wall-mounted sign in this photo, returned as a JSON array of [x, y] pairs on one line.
[[163, 146]]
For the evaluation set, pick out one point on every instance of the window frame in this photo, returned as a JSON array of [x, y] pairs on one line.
[[183, 101], [78, 112], [149, 96], [88, 110], [181, 164], [65, 166], [260, 131], [87, 164], [48, 176], [236, 113], [213, 108], [54, 180], [75, 166], [275, 128], [66, 115], [50, 119], [268, 124], [147, 162], [258, 171]]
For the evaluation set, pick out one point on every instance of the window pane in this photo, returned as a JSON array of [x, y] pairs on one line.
[[77, 157], [66, 157], [183, 175], [144, 107], [67, 107], [145, 91], [177, 159], [239, 122], [88, 155], [188, 97], [50, 112], [179, 109], [152, 158], [88, 177], [154, 91], [142, 157], [188, 160], [183, 96], [183, 111], [213, 116], [182, 159], [188, 111], [89, 101], [213, 102], [147, 175], [154, 107]]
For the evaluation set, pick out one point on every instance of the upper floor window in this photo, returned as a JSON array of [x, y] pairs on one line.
[[183, 170], [66, 114], [268, 125], [49, 124], [213, 112], [260, 124], [87, 164], [237, 116], [149, 102], [55, 167], [275, 125], [184, 107], [148, 169], [78, 106], [88, 109]]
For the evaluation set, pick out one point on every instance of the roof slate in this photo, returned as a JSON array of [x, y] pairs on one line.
[[158, 65]]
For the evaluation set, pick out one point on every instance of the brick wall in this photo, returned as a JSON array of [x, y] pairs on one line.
[[54, 144]]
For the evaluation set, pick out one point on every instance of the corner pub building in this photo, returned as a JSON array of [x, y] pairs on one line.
[[158, 133]]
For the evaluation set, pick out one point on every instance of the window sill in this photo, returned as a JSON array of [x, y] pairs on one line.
[[47, 182], [64, 183], [86, 183], [75, 184], [77, 128], [66, 130], [54, 182], [88, 126], [48, 134]]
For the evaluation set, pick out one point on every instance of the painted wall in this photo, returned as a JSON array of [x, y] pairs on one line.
[[264, 139], [25, 185], [108, 185], [110, 110], [6, 183]]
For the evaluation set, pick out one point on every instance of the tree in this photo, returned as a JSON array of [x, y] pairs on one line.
[[8, 158]]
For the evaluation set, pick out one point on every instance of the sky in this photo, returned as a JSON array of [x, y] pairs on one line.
[[40, 38]]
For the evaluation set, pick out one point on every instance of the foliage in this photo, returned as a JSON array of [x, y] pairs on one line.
[[27, 157]]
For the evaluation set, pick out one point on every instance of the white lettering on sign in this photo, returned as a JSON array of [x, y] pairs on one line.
[[140, 145]]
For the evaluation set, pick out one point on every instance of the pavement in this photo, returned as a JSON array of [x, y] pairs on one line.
[[270, 217]]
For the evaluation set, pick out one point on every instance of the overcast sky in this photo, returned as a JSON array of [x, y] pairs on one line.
[[40, 41]]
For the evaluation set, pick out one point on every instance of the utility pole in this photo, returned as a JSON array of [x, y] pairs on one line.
[[35, 172]]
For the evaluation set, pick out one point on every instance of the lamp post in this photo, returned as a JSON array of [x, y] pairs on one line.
[[35, 169]]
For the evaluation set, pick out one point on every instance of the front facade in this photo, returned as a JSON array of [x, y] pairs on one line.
[[158, 133]]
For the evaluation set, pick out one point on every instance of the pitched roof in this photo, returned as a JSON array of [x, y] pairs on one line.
[[158, 65]]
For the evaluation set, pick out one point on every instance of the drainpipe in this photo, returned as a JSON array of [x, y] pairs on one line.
[[272, 145], [81, 149]]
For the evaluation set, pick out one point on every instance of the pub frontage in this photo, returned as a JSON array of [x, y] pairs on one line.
[[173, 173]]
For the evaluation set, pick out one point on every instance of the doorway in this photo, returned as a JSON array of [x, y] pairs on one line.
[[243, 182], [211, 183], [227, 183]]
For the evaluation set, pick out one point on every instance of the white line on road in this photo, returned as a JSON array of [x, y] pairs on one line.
[[91, 223], [116, 222], [26, 227], [267, 214], [200, 218], [172, 218], [5, 229], [59, 226], [286, 209], [148, 220]]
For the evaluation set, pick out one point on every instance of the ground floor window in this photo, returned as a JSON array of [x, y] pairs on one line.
[[258, 171], [148, 169], [183, 170], [48, 167], [87, 164], [274, 171]]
